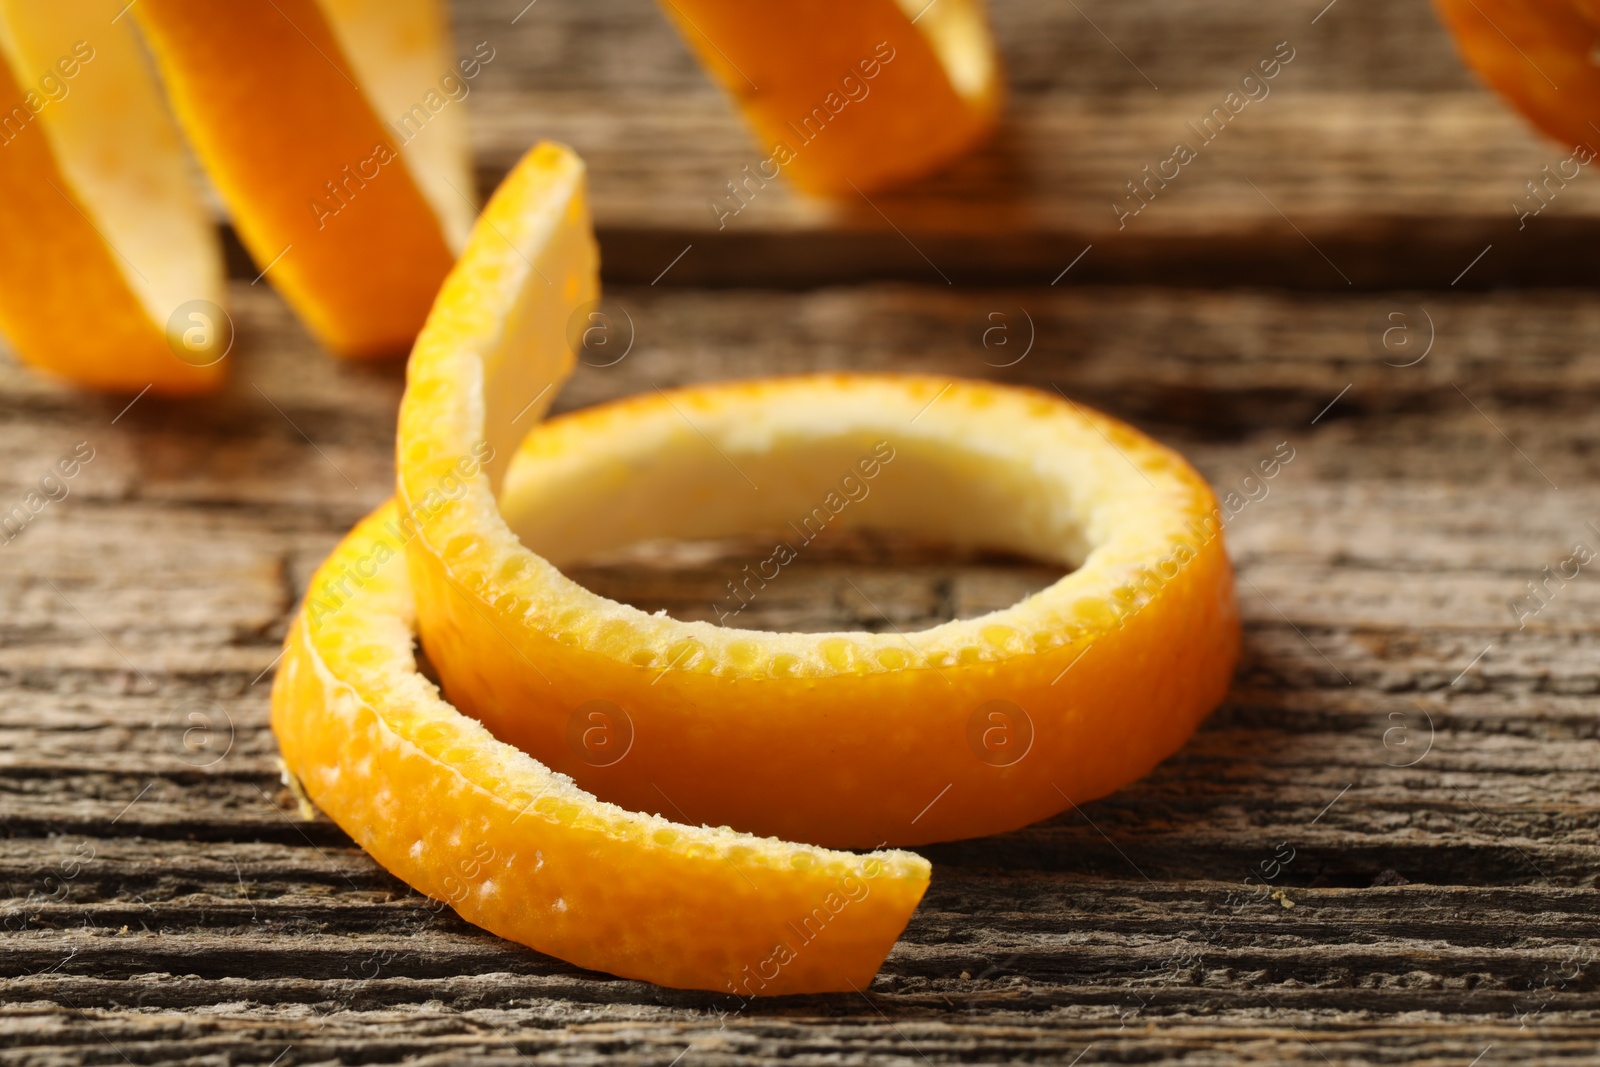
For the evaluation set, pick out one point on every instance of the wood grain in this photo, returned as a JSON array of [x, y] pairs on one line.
[[1414, 763]]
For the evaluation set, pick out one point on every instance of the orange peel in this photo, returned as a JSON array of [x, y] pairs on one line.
[[112, 276], [849, 95], [523, 852], [845, 739], [1539, 55], [295, 108]]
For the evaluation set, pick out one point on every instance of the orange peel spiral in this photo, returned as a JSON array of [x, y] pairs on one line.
[[848, 740]]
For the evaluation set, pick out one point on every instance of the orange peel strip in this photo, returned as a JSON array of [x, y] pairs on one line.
[[1539, 55], [107, 244], [523, 852], [850, 739], [849, 95], [297, 110]]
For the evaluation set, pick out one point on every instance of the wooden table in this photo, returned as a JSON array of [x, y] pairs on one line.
[[1408, 763]]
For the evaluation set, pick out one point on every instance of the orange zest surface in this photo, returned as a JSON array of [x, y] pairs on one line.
[[112, 276], [849, 93], [523, 852], [849, 739], [351, 213], [1539, 55], [852, 739]]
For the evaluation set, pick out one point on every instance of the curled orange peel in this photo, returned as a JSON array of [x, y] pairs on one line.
[[847, 96], [846, 739], [525, 853], [1540, 56]]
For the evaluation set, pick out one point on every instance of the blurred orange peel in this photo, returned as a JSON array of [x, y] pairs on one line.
[[106, 235], [1540, 56], [331, 131], [113, 274], [844, 739], [848, 96], [298, 111]]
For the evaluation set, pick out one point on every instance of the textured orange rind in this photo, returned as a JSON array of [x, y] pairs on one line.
[[523, 852]]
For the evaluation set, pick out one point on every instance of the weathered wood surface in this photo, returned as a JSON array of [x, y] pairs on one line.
[[1433, 766], [211, 922]]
